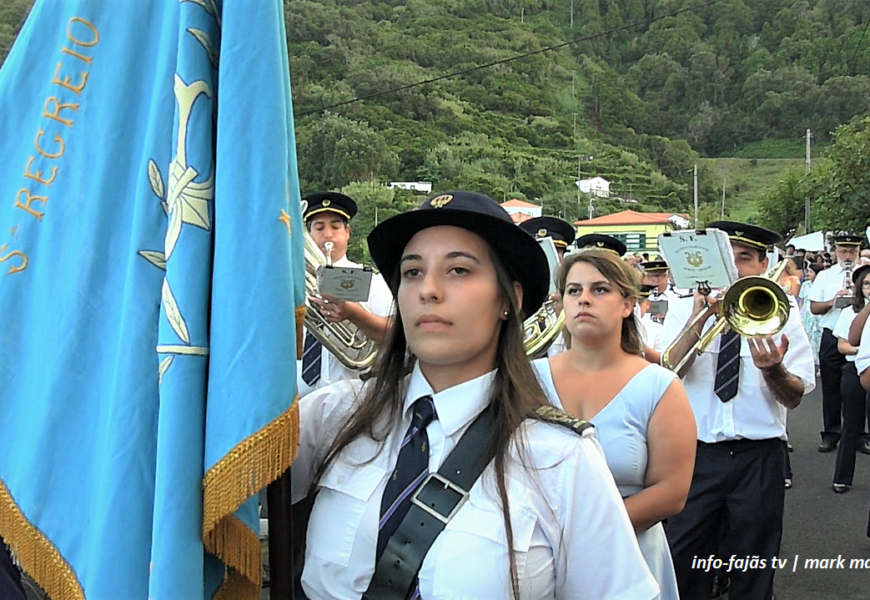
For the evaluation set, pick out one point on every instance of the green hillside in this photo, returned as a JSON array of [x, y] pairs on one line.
[[515, 98]]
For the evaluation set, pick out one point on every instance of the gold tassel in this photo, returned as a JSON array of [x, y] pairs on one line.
[[37, 555], [253, 464]]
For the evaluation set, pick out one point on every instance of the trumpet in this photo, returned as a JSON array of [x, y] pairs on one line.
[[844, 301], [344, 340], [752, 306], [540, 330]]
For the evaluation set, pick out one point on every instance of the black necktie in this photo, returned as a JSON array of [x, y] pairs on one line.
[[412, 467], [728, 366], [311, 359]]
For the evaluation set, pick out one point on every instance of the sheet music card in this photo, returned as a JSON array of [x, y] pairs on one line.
[[696, 257]]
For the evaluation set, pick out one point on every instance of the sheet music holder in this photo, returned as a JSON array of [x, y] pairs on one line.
[[699, 258]]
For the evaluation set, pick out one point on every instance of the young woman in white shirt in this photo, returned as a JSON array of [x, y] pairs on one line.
[[544, 520]]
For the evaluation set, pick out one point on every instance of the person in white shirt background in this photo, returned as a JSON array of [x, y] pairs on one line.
[[544, 521], [658, 275], [853, 395], [327, 217], [740, 390], [828, 286], [651, 330]]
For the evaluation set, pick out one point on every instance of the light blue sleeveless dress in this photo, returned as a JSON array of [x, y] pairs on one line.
[[621, 427]]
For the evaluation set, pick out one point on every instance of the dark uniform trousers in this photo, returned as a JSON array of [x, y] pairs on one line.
[[738, 483], [855, 400], [831, 368], [10, 578]]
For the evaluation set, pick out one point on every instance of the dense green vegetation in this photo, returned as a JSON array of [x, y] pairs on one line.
[[639, 90]]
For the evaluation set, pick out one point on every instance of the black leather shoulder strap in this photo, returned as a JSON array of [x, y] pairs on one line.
[[551, 414], [437, 499]]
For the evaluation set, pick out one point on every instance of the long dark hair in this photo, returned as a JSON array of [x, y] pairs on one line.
[[515, 395], [617, 273], [858, 297]]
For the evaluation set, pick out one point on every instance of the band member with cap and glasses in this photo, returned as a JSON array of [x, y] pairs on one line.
[[562, 234], [853, 395], [651, 330], [543, 520], [640, 410], [327, 218], [740, 390], [657, 275], [828, 286]]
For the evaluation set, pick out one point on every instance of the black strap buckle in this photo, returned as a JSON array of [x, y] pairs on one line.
[[448, 485]]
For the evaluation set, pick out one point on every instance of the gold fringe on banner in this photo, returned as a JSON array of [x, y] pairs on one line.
[[37, 555], [253, 464], [300, 331]]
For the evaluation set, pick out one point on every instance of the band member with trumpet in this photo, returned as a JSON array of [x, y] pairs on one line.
[[829, 285], [398, 513], [563, 235], [740, 389], [327, 218]]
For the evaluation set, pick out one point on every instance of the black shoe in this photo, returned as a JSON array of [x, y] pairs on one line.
[[864, 448], [840, 488], [827, 446]]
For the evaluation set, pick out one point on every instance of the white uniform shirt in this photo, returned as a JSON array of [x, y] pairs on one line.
[[862, 359], [571, 533], [825, 287], [380, 302], [753, 413], [841, 329], [651, 333]]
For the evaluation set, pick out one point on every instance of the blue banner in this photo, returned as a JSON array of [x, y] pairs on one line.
[[151, 287]]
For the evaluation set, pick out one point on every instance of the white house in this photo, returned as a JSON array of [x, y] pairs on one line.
[[596, 186], [417, 186]]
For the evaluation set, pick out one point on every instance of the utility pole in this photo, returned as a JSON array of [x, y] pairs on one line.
[[572, 14], [807, 205], [580, 159], [722, 211], [696, 196]]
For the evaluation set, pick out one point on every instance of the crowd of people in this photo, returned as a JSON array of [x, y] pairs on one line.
[[460, 466], [678, 463]]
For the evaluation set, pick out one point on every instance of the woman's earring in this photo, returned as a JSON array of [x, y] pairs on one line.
[[506, 314]]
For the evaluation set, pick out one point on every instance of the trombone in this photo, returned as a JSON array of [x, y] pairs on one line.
[[753, 306]]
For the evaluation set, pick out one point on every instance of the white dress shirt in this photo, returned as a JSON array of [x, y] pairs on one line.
[[754, 412], [841, 329], [825, 287], [380, 302], [571, 535], [652, 333]]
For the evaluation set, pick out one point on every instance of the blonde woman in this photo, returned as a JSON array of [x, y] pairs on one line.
[[640, 410]]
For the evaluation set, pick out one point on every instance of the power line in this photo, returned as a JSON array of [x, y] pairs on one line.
[[857, 46], [507, 60]]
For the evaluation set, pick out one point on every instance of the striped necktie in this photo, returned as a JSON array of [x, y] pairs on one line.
[[412, 467], [728, 366], [311, 359]]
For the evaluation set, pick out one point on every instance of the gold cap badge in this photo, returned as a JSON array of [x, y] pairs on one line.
[[441, 201], [599, 244], [327, 202], [542, 233]]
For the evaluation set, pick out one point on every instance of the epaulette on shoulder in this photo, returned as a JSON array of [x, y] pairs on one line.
[[551, 414]]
